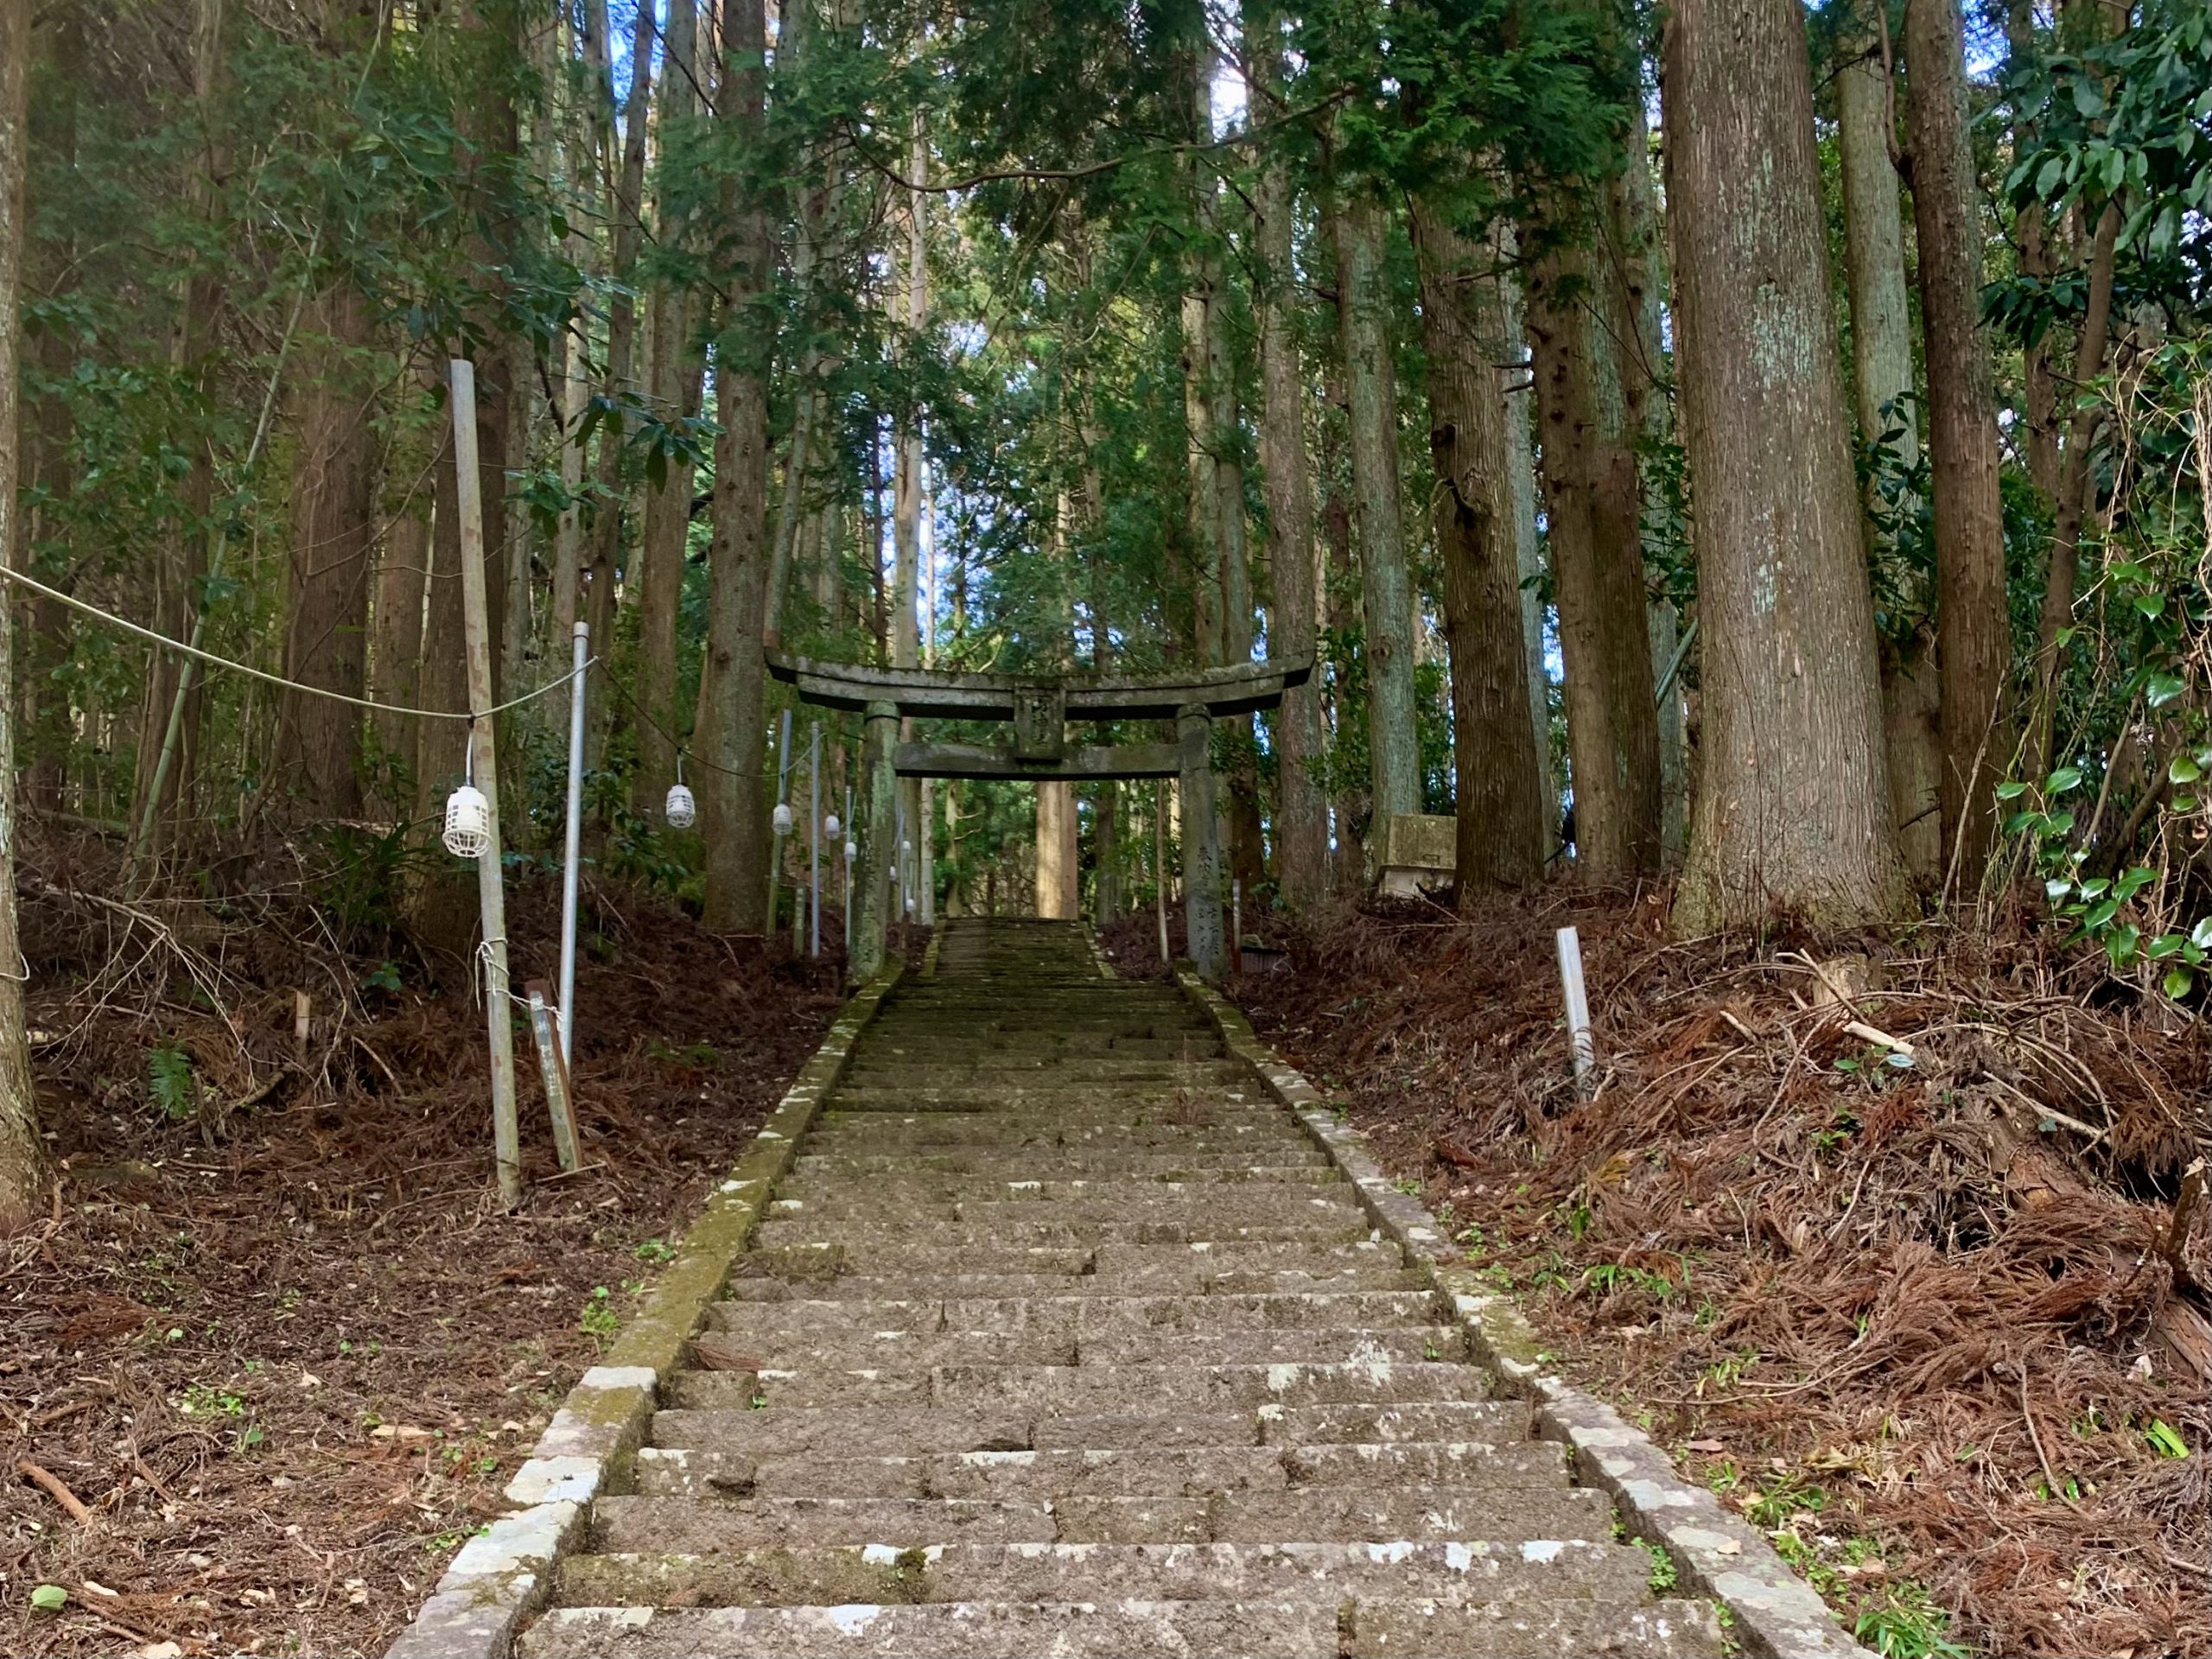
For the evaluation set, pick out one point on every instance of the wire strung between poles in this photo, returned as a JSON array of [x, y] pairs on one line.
[[210, 657]]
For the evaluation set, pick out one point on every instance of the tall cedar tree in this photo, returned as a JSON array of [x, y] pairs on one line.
[[1974, 639], [1792, 813]]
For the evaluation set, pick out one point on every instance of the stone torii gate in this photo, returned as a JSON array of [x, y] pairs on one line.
[[1040, 707]]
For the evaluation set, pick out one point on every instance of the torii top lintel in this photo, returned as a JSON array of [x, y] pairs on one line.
[[1240, 689]]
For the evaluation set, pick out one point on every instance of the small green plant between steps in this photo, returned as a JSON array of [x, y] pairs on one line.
[[1663, 1578]]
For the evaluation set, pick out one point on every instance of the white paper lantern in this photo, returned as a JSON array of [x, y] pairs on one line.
[[468, 822], [783, 818], [683, 807], [905, 846], [852, 851], [829, 826]]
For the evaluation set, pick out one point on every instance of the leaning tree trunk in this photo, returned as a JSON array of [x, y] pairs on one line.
[[1974, 636], [1371, 396], [1881, 361], [21, 1167], [327, 611], [734, 696], [1792, 810], [675, 394], [1500, 826]]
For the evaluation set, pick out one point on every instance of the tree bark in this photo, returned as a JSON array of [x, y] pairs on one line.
[[1301, 816], [1371, 386], [1973, 637], [326, 623], [733, 699], [182, 559], [1594, 515], [1792, 812], [676, 392], [1881, 358], [396, 654], [22, 1164], [1500, 813]]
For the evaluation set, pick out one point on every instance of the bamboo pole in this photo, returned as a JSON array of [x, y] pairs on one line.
[[491, 894]]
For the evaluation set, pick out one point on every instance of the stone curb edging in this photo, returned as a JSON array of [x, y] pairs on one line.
[[1777, 1615], [503, 1574]]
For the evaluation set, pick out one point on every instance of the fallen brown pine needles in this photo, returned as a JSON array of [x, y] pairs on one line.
[[1902, 1247]]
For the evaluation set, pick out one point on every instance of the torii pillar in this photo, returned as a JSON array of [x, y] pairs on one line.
[[1202, 930]]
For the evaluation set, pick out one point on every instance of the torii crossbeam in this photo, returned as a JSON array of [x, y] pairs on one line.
[[1039, 707]]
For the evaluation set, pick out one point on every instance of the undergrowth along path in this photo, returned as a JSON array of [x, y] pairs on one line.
[[1062, 1337]]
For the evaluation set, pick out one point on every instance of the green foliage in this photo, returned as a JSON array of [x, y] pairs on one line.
[[49, 1599], [172, 1084]]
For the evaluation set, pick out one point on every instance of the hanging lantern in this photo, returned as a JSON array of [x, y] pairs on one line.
[[468, 814], [682, 808], [905, 846], [852, 851], [468, 822], [782, 818], [829, 826]]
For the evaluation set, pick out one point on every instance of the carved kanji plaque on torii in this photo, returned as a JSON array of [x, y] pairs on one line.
[[1040, 721]]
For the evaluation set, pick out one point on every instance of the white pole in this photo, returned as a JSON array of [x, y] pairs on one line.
[[814, 837], [1577, 1010], [776, 839], [572, 870]]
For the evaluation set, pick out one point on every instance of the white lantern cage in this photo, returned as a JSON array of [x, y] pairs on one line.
[[683, 807], [469, 813]]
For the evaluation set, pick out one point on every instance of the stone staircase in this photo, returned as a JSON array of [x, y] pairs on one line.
[[1061, 1338]]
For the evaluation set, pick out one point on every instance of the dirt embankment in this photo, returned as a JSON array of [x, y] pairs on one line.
[[277, 1340], [1902, 1245]]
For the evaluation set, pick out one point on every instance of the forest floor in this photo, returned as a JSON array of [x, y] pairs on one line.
[[286, 1352], [1938, 1326]]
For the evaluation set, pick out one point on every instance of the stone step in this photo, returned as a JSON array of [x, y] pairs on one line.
[[643, 1524], [896, 1350], [1083, 1390], [1091, 1316], [1182, 1278], [882, 1191], [943, 1630], [916, 1431], [1480, 1572], [1090, 1105], [691, 1471], [1127, 1267], [1064, 1202], [1042, 1177], [1009, 1134], [990, 1227], [1368, 1628]]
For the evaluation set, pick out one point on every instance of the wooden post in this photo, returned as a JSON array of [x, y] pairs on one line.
[[879, 840], [491, 898], [553, 1065], [1202, 926]]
